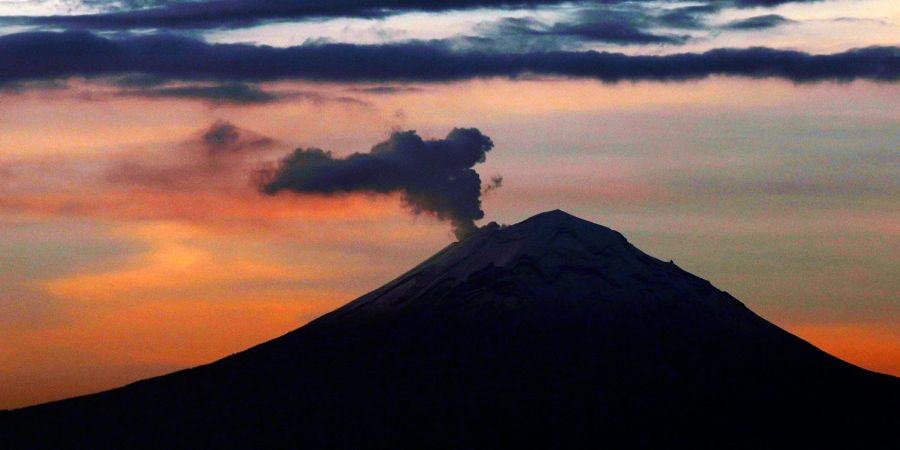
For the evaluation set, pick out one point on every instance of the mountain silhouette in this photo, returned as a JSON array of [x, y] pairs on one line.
[[553, 333]]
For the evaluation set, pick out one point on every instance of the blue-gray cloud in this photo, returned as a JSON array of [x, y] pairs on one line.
[[758, 22], [217, 94], [179, 14], [385, 90], [605, 25], [46, 56], [688, 17], [220, 94], [207, 14]]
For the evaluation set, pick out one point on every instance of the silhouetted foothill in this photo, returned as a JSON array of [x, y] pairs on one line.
[[553, 333]]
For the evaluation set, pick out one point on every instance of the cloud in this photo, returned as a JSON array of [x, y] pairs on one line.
[[217, 94], [21, 87], [385, 90], [122, 5], [225, 94], [181, 14], [495, 183], [225, 137], [623, 24], [612, 31], [758, 22], [607, 25], [218, 157], [688, 17], [433, 176], [177, 14], [45, 55]]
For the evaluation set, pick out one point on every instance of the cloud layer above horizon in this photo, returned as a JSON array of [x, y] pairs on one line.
[[48, 55], [213, 50], [204, 14]]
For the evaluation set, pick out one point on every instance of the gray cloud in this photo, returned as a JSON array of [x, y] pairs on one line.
[[688, 17], [218, 94], [495, 183], [20, 87], [629, 24], [622, 25], [225, 137], [209, 14], [433, 176], [47, 56], [218, 156], [758, 22], [385, 90]]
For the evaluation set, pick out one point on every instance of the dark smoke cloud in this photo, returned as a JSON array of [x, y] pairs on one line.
[[35, 56], [495, 183], [433, 176]]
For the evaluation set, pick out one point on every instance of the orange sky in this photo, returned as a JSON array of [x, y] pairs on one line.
[[783, 195]]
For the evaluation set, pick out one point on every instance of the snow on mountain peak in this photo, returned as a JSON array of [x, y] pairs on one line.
[[551, 254]]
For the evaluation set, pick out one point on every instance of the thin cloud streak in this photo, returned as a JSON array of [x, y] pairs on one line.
[[758, 22], [219, 94]]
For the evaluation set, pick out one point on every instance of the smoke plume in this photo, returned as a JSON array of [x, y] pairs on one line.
[[224, 137], [433, 176]]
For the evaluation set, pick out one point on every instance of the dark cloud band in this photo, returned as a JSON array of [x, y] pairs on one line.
[[180, 14], [45, 55], [241, 13]]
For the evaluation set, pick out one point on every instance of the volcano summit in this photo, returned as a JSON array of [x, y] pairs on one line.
[[553, 333]]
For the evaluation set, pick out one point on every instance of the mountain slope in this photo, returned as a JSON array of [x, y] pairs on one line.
[[551, 333]]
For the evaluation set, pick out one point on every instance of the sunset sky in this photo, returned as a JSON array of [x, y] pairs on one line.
[[753, 142]]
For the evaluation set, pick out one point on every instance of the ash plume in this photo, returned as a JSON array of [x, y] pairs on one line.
[[496, 182], [433, 176], [225, 137]]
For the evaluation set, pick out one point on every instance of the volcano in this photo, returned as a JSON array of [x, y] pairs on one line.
[[553, 333]]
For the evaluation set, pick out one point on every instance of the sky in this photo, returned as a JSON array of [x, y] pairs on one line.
[[183, 179]]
